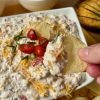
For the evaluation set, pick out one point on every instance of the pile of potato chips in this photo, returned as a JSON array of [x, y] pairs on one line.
[[91, 92]]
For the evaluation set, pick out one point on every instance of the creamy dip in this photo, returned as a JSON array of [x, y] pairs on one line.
[[13, 86]]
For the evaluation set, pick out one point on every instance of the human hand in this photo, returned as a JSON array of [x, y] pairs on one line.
[[91, 55]]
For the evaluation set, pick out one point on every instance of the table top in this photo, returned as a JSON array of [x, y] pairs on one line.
[[91, 37]]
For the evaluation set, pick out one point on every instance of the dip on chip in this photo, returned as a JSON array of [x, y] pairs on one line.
[[41, 60]]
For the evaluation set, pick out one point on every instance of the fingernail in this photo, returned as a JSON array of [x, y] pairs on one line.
[[83, 52]]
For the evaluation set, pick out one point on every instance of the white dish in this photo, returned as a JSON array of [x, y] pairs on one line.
[[70, 12], [37, 5]]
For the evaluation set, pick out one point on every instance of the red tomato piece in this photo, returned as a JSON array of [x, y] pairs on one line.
[[26, 48], [43, 41], [37, 61], [31, 34], [45, 44], [22, 97], [39, 50]]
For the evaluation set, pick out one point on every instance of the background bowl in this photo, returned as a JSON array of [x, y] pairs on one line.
[[37, 5]]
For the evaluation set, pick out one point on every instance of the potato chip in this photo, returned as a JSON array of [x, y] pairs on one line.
[[72, 45], [41, 28], [80, 98], [97, 98], [95, 88]]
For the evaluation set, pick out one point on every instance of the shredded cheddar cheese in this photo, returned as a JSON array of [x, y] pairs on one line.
[[24, 63], [40, 87], [6, 52], [67, 91]]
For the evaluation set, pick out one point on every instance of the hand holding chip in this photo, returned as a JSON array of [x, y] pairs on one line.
[[91, 55]]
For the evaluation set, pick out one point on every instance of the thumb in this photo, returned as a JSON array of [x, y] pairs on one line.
[[98, 80], [91, 54]]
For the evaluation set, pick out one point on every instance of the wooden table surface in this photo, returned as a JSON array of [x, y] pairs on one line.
[[91, 38]]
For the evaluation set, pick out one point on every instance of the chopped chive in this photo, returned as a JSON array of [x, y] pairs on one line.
[[56, 37], [59, 34], [32, 56], [17, 43], [31, 42], [15, 99], [26, 57], [13, 48], [19, 36]]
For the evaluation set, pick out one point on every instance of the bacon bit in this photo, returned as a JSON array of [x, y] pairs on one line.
[[49, 65], [22, 97], [37, 61]]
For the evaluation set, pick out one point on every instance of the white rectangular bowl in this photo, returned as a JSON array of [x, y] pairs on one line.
[[71, 14]]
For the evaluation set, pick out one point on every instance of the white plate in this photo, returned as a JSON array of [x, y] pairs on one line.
[[70, 13]]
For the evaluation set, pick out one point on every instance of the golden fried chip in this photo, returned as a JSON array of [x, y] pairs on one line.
[[97, 98], [95, 88], [72, 46]]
